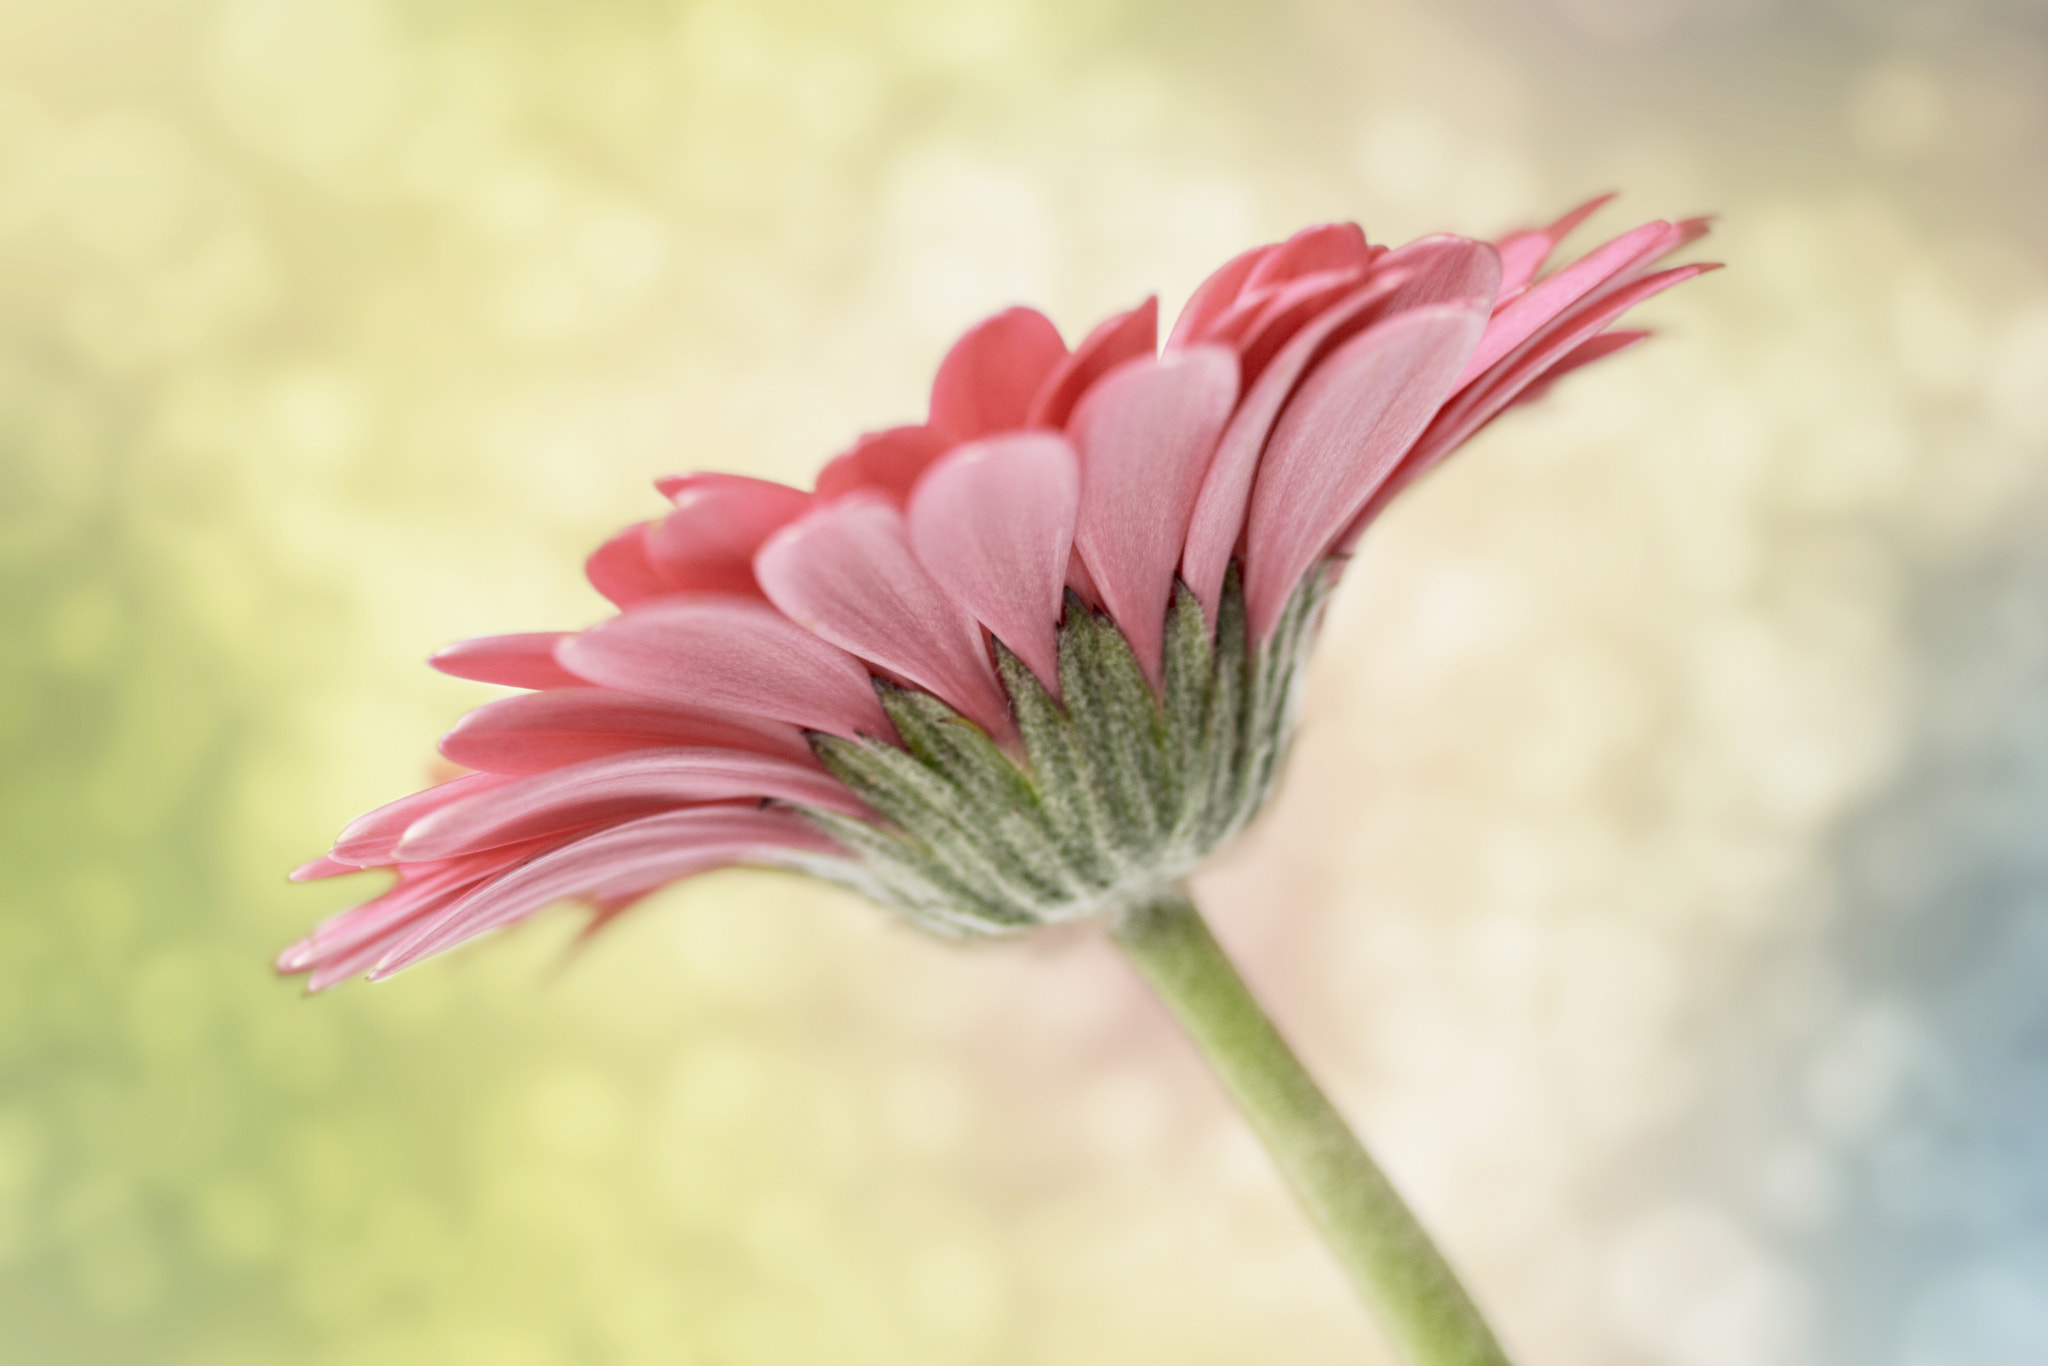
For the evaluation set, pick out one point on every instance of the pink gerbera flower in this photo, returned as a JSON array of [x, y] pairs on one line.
[[1029, 660]]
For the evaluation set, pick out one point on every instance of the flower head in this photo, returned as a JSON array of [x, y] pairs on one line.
[[1029, 660]]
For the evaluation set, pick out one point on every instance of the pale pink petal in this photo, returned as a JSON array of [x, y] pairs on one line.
[[613, 788], [1145, 434], [1341, 435], [729, 654], [545, 730], [1520, 318], [1434, 270], [1213, 298], [619, 861], [707, 543], [371, 839], [846, 572], [1522, 254], [621, 570], [986, 381], [889, 463], [1116, 339], [994, 524], [1327, 246], [523, 660]]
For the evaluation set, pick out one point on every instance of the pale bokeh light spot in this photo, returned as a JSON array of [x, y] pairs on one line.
[[1896, 110]]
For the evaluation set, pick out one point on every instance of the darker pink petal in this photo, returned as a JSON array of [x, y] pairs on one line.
[[994, 524], [846, 572], [889, 463], [618, 786], [986, 381], [1116, 339], [615, 863], [524, 660], [1325, 247], [1341, 435], [729, 654], [1279, 316], [707, 543], [545, 730], [1213, 298], [621, 570], [1145, 434]]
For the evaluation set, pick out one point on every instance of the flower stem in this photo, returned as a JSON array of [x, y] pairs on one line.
[[1394, 1265]]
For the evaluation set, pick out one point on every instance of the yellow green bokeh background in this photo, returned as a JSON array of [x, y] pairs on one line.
[[1657, 880]]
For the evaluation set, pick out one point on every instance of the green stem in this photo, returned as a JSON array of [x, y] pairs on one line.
[[1395, 1266]]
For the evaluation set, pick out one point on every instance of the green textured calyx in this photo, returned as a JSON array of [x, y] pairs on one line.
[[1118, 790]]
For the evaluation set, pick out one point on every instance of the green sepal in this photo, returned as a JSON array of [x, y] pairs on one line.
[[1189, 682], [1068, 798], [1119, 790], [931, 811], [1118, 722]]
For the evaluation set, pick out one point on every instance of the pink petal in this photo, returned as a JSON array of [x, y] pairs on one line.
[[707, 544], [729, 654], [372, 839], [1520, 318], [1443, 268], [1479, 403], [322, 867], [1432, 270], [1597, 348], [621, 570], [1327, 246], [1116, 339], [1145, 435], [351, 943], [1217, 523], [1481, 400], [986, 381], [994, 523], [888, 463], [600, 791], [1285, 312], [1082, 582], [545, 730], [619, 861], [1213, 298], [525, 660], [1522, 254], [417, 888], [1340, 436], [846, 572]]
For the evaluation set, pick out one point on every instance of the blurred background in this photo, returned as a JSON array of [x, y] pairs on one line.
[[1657, 880]]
